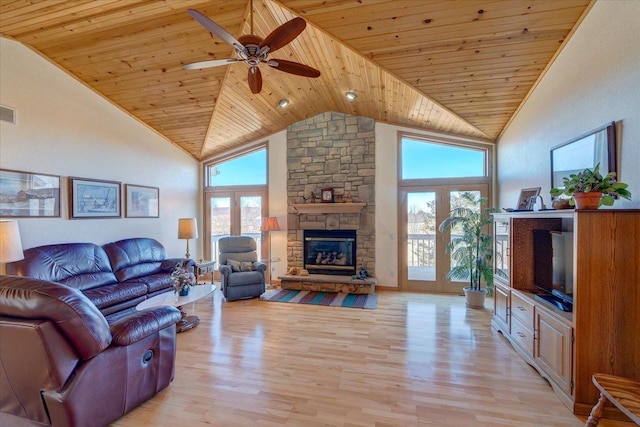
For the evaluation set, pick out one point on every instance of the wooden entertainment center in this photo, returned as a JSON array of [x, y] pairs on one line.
[[602, 333]]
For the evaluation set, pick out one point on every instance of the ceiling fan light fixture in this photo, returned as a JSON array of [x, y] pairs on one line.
[[283, 103], [351, 95]]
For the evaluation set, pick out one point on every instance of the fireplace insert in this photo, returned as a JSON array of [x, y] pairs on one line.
[[330, 252]]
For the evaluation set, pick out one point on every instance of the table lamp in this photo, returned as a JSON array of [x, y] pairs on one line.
[[270, 224], [187, 229], [10, 243]]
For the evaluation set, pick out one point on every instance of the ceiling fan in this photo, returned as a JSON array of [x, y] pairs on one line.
[[253, 50]]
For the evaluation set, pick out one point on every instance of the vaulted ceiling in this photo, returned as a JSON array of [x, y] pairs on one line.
[[457, 66]]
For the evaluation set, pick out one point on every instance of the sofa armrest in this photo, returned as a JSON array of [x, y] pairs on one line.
[[225, 270], [131, 329], [259, 266]]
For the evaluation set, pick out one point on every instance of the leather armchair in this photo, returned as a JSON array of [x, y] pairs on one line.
[[63, 364], [246, 282]]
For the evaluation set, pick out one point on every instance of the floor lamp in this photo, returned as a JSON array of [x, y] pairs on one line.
[[10, 244], [270, 224], [187, 229]]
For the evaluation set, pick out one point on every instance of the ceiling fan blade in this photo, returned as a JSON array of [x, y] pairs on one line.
[[209, 64], [293, 68], [255, 80], [284, 34], [215, 29]]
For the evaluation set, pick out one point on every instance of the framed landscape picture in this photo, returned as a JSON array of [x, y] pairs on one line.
[[28, 194], [141, 201], [92, 198]]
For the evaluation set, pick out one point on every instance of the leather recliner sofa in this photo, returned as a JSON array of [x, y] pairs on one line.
[[115, 277], [63, 364]]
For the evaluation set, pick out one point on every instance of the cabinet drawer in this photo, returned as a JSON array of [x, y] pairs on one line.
[[522, 335], [522, 309]]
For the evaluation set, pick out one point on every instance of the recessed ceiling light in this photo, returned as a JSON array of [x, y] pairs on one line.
[[283, 103], [351, 95]]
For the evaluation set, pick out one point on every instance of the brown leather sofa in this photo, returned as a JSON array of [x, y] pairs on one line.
[[63, 364], [115, 277]]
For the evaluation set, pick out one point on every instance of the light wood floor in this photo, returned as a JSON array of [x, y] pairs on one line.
[[417, 360]]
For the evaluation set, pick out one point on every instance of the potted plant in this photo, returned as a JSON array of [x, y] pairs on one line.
[[471, 247], [182, 279], [590, 190]]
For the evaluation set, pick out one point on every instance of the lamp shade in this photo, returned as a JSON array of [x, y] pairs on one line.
[[10, 242], [187, 228], [270, 224]]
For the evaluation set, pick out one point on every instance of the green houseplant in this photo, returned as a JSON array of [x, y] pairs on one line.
[[604, 190], [471, 247]]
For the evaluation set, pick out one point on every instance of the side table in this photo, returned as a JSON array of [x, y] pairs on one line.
[[623, 393], [205, 267]]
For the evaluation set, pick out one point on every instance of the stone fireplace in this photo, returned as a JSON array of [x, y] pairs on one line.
[[330, 252], [332, 150]]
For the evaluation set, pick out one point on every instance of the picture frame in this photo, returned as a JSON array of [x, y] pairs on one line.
[[141, 201], [527, 198], [29, 194], [93, 198], [326, 195]]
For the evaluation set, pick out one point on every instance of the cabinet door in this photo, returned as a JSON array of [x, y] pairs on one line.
[[553, 351], [501, 307], [501, 251]]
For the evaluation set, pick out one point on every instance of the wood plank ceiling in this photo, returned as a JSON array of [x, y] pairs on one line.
[[456, 66]]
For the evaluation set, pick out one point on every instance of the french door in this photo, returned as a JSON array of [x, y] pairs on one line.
[[234, 213], [422, 257]]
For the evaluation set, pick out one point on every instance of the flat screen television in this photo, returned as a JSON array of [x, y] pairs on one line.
[[553, 267]]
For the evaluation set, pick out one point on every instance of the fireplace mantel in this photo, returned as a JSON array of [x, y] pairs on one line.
[[328, 208]]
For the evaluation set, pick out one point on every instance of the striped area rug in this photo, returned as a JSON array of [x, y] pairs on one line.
[[333, 299]]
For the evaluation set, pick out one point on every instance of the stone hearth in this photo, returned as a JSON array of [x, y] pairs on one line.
[[328, 283]]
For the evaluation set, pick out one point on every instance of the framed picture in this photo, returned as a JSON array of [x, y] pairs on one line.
[[326, 195], [92, 198], [141, 201], [527, 198], [28, 194]]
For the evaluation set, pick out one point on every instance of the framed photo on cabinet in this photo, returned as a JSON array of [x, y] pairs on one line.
[[92, 198], [141, 201], [28, 194]]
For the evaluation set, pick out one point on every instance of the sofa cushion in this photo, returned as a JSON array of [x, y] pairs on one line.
[[113, 294], [154, 282], [245, 278], [78, 265], [137, 257]]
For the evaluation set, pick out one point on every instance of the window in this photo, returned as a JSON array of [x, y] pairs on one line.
[[246, 169], [423, 159]]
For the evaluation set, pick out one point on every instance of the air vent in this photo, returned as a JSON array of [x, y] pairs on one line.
[[7, 114]]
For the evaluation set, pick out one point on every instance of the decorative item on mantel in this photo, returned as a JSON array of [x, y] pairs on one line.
[[182, 279], [326, 195], [590, 190]]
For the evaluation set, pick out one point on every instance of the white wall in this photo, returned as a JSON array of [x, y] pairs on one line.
[[595, 80], [278, 200], [65, 129]]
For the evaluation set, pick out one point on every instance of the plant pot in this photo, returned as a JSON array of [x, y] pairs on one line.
[[475, 298], [590, 200], [183, 292]]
